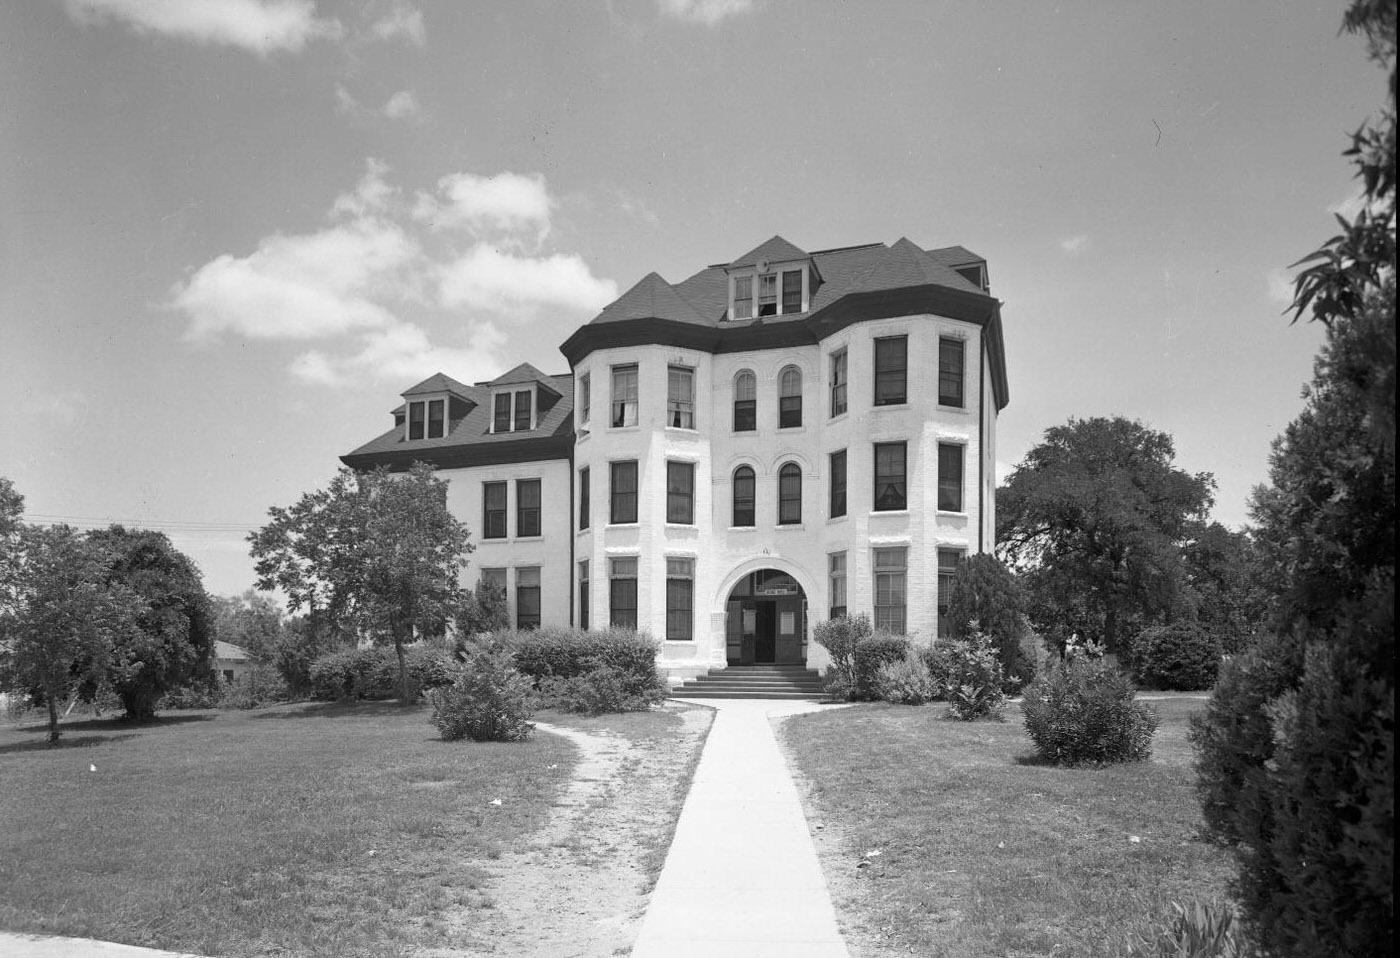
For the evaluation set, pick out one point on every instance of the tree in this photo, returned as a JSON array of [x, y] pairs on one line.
[[484, 610], [1094, 520], [63, 621], [173, 645], [377, 554], [1227, 585], [987, 599], [250, 621], [11, 508]]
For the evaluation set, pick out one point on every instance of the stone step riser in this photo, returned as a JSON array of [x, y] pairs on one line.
[[785, 696]]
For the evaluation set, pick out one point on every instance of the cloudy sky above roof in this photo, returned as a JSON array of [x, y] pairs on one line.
[[233, 231]]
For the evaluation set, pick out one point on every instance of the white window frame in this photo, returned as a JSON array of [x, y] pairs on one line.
[[534, 408], [776, 270]]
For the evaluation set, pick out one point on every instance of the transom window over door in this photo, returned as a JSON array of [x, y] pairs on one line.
[[743, 497], [790, 398], [680, 397], [789, 494], [624, 395], [891, 370], [745, 401]]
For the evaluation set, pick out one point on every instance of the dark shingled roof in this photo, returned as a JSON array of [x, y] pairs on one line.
[[437, 383], [651, 298], [775, 250]]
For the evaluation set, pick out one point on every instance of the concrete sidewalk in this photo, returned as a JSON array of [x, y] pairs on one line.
[[742, 878], [14, 945]]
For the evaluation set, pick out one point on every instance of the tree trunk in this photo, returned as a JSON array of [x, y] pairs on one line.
[[404, 697], [1110, 627], [53, 718]]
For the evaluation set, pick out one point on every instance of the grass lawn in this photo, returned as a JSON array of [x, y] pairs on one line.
[[308, 829], [983, 851]]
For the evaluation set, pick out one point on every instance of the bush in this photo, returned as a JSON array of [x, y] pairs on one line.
[[257, 688], [907, 681], [373, 673], [839, 637], [987, 598], [565, 653], [489, 701], [1195, 930], [190, 697], [970, 677], [1185, 657], [604, 688], [1082, 710]]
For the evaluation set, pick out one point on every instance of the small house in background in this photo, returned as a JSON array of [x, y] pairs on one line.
[[232, 662]]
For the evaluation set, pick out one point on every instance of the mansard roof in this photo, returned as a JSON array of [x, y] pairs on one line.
[[438, 383], [775, 250]]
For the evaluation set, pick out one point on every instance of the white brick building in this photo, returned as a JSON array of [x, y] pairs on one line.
[[738, 456]]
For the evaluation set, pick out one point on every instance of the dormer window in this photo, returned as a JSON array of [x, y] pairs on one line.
[[776, 291], [427, 419], [513, 411]]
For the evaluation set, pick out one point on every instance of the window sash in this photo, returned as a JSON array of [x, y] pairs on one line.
[[838, 483], [585, 476], [585, 396], [583, 594], [792, 291], [624, 396], [744, 483], [950, 372], [415, 420], [891, 472], [523, 403], [950, 477], [768, 294], [891, 370], [948, 560], [622, 601], [501, 420], [436, 412], [680, 601], [745, 402], [838, 383], [836, 569], [680, 397], [527, 507], [527, 597], [493, 579], [680, 492], [624, 492], [743, 297], [789, 495], [493, 504]]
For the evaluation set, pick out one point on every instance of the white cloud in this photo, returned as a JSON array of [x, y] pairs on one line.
[[261, 26], [65, 408], [1279, 283], [345, 100], [1074, 245], [372, 195], [1348, 207], [507, 202], [404, 355], [708, 12], [402, 106], [486, 278], [400, 20], [300, 287]]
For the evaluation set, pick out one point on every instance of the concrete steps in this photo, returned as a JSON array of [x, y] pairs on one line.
[[754, 682]]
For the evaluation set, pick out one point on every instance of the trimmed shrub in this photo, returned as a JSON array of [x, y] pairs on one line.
[[564, 653], [1194, 930], [839, 637], [871, 655], [1081, 710], [259, 687], [489, 701], [1182, 657], [908, 681], [970, 676], [604, 688], [372, 673]]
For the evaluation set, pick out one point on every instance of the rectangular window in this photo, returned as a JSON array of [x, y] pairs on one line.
[[585, 397], [680, 599], [743, 297], [523, 413], [680, 397], [950, 477], [838, 483], [624, 492], [792, 291], [768, 294], [624, 396], [494, 579], [950, 372], [890, 596], [527, 507], [891, 370], [436, 411], [838, 382], [583, 595], [891, 460], [947, 566], [622, 593], [585, 506], [415, 420], [527, 597], [493, 520], [680, 492], [836, 568], [500, 422]]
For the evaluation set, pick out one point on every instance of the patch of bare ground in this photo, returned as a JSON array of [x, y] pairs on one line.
[[580, 887]]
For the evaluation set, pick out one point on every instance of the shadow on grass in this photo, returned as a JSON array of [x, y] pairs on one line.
[[116, 722], [67, 741], [337, 710]]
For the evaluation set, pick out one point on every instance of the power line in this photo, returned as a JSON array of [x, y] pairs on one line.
[[158, 525]]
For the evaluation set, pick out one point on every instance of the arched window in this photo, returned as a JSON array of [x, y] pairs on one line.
[[789, 494], [743, 496], [790, 398], [745, 401]]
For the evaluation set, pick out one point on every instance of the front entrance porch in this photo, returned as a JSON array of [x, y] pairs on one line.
[[766, 620]]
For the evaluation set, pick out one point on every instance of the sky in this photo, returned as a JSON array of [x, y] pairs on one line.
[[233, 231]]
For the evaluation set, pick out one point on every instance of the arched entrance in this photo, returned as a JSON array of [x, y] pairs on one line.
[[766, 620]]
